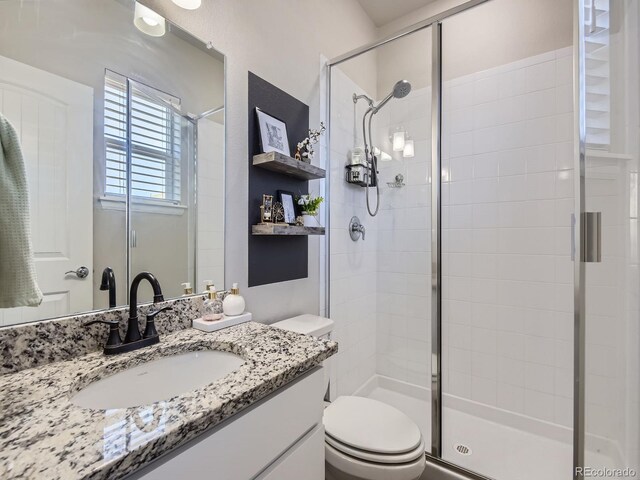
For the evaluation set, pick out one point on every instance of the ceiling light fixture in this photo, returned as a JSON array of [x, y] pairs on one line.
[[148, 21], [188, 4]]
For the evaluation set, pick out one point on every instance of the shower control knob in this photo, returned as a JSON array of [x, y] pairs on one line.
[[356, 229]]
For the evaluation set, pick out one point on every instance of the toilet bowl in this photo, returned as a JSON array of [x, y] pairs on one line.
[[369, 440], [364, 439]]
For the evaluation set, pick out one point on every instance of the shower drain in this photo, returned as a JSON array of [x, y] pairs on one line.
[[462, 449]]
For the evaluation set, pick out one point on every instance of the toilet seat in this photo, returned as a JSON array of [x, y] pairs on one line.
[[366, 456], [367, 425]]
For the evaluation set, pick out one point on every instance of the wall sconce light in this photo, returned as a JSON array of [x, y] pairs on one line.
[[188, 4], [398, 140], [382, 155], [148, 21], [408, 150]]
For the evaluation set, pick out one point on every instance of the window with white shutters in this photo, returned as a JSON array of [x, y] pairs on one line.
[[155, 141], [598, 74]]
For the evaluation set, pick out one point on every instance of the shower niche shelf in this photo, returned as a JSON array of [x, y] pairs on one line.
[[285, 230], [277, 162]]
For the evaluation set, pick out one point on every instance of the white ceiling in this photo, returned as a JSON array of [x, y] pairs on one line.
[[385, 11]]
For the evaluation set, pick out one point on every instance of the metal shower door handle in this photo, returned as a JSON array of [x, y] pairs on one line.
[[592, 237], [81, 272]]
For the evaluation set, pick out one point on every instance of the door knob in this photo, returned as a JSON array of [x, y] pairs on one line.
[[81, 272]]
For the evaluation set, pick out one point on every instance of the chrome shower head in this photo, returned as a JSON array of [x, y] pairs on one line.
[[400, 90]]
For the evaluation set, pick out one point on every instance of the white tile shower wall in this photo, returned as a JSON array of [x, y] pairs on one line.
[[507, 271], [353, 264], [507, 202], [606, 352], [404, 244]]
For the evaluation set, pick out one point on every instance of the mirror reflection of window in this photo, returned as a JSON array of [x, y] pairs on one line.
[[155, 142]]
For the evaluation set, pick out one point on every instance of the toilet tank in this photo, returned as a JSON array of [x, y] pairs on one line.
[[319, 327], [315, 326]]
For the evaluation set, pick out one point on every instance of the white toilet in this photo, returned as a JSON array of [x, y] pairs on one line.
[[364, 439]]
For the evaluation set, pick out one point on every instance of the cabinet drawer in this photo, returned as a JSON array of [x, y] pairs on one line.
[[244, 445], [304, 460]]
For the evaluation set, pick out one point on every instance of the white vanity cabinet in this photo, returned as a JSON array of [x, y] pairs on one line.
[[280, 437]]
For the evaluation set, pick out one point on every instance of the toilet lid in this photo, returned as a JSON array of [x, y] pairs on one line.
[[367, 424]]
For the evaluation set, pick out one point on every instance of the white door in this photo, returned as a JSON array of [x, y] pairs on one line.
[[54, 120]]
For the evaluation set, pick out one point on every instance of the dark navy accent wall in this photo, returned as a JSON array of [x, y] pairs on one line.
[[274, 259]]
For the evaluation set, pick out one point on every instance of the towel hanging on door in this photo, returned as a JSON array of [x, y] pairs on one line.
[[18, 284]]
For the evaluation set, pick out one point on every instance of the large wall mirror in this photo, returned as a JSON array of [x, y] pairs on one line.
[[120, 115]]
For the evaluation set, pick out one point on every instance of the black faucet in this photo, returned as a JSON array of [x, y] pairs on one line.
[[133, 327], [133, 340], [109, 283]]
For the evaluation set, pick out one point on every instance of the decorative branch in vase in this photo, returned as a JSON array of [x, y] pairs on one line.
[[304, 150], [310, 206]]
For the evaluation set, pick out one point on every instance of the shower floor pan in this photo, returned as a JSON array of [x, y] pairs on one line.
[[490, 441]]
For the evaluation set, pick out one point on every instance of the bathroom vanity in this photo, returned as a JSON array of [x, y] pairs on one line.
[[261, 420], [278, 438]]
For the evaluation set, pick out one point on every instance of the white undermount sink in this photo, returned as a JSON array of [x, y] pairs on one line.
[[157, 380]]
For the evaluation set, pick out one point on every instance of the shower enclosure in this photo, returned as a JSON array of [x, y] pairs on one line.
[[495, 300]]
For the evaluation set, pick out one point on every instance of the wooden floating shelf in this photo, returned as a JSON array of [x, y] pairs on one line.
[[283, 229], [277, 162]]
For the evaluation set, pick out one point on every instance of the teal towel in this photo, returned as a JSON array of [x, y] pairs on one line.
[[18, 285]]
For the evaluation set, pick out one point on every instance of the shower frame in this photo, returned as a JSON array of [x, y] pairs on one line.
[[579, 141]]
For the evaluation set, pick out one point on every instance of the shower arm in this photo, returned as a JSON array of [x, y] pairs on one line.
[[384, 101]]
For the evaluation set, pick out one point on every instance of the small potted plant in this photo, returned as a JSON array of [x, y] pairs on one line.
[[309, 205]]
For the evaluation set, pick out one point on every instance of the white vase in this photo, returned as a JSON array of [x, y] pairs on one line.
[[310, 220]]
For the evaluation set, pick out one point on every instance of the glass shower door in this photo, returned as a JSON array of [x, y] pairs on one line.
[[612, 113], [380, 284], [507, 200]]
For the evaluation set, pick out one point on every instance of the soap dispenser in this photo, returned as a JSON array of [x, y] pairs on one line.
[[212, 308], [187, 289], [233, 303]]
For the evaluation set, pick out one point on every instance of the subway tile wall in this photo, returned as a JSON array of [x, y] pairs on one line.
[[353, 272], [404, 241], [507, 204]]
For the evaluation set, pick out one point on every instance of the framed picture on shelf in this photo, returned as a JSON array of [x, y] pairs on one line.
[[288, 203], [273, 134]]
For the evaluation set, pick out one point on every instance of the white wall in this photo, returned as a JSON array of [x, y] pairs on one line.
[[280, 41], [210, 229], [503, 31]]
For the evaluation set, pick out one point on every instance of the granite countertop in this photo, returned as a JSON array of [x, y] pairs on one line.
[[44, 436]]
